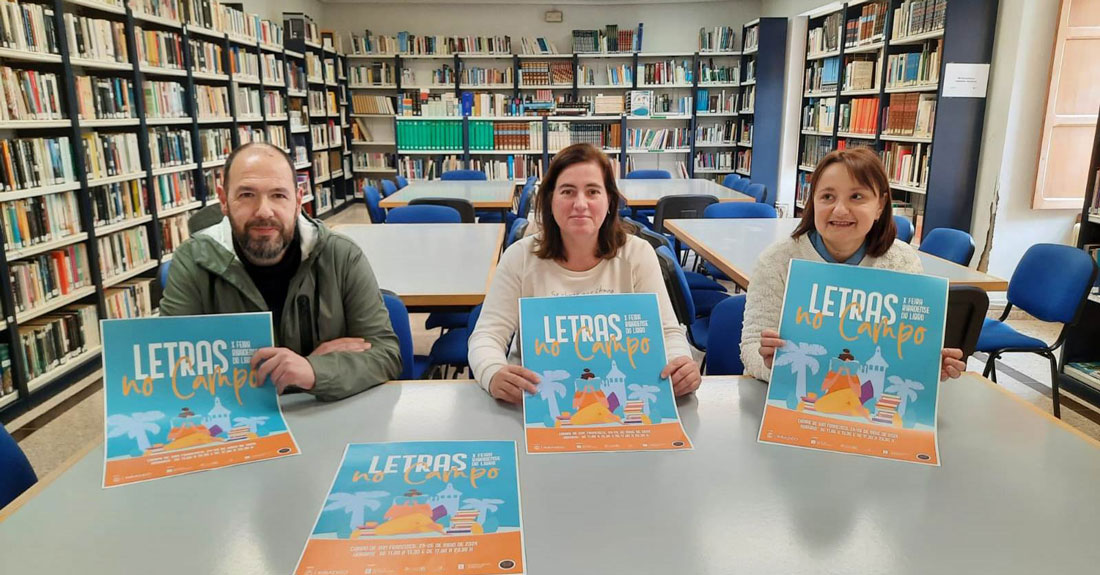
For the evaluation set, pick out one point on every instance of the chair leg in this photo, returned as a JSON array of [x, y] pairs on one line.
[[990, 367], [703, 365], [1055, 394]]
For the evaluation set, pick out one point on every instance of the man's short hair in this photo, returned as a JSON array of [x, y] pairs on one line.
[[249, 146]]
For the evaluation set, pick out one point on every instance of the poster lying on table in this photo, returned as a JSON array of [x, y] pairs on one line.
[[180, 396], [423, 507], [860, 369], [599, 360]]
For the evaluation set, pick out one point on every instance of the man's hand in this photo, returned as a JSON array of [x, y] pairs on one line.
[[342, 344], [284, 367]]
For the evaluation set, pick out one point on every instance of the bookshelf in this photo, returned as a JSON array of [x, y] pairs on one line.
[[122, 144], [871, 79], [1080, 346]]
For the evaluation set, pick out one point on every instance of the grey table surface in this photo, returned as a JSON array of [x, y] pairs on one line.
[[1016, 494], [735, 245], [641, 193], [482, 194], [431, 264]]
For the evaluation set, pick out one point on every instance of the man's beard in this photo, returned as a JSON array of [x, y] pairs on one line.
[[263, 251]]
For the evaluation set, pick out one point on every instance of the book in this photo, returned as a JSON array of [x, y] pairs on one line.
[[180, 396], [425, 506], [861, 366], [7, 381], [130, 299], [39, 219], [212, 102], [52, 340], [159, 49], [639, 103], [170, 147], [39, 279], [164, 100], [174, 232], [599, 359], [28, 27], [123, 251], [96, 39], [207, 57], [29, 95]]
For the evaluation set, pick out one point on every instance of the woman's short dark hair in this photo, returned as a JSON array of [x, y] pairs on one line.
[[549, 245], [865, 167]]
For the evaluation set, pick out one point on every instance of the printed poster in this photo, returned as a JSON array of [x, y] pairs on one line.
[[180, 396], [860, 370], [423, 507], [599, 359]]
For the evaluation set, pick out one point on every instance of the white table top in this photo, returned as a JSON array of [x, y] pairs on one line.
[[482, 194], [645, 193], [1016, 495], [734, 246], [431, 264]]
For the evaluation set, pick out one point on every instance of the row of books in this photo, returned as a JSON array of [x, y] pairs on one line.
[[123, 251], [503, 135], [614, 75], [718, 39], [711, 72], [478, 76], [513, 168], [907, 164], [374, 74], [745, 134], [168, 9], [859, 116], [7, 379], [861, 72], [910, 114], [822, 75], [714, 160], [164, 99], [274, 104], [296, 77], [915, 68], [173, 232], [27, 27], [39, 219], [752, 38], [545, 73], [599, 134], [34, 162], [609, 39], [104, 98], [814, 148], [913, 17], [537, 45], [243, 62], [215, 143], [658, 139], [665, 72], [430, 135], [117, 202], [53, 339], [130, 299], [744, 160], [207, 57], [406, 43], [819, 115], [37, 280], [29, 95], [212, 102], [248, 102], [724, 101], [170, 147], [272, 69], [869, 26], [371, 160], [107, 154], [748, 100], [96, 39], [717, 133], [826, 37], [160, 49], [173, 190]]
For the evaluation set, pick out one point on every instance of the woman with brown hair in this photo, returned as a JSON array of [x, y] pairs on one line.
[[582, 249], [848, 220]]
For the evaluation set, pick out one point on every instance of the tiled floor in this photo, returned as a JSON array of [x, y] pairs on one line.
[[82, 423]]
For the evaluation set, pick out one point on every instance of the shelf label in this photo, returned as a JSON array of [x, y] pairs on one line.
[[965, 80]]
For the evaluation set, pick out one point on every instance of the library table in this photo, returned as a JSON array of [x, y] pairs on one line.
[[734, 245], [645, 193], [484, 195], [431, 266], [1016, 494]]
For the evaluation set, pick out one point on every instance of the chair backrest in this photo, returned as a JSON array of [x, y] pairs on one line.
[[399, 319], [16, 473], [648, 175], [905, 228], [1052, 281], [463, 175], [519, 226], [209, 215], [388, 188], [655, 239], [950, 244], [523, 208], [471, 320], [401, 181], [424, 214], [742, 184], [734, 210], [375, 211], [464, 208], [676, 282], [758, 191], [680, 207], [724, 341], [730, 179], [162, 274], [966, 309]]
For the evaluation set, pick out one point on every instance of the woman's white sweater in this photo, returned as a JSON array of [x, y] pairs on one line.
[[769, 286]]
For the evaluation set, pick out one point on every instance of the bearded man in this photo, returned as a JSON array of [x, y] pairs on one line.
[[332, 330]]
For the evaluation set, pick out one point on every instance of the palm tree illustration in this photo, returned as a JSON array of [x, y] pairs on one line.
[[550, 387], [136, 426], [905, 389], [483, 507], [646, 393], [800, 357], [253, 422], [355, 504]]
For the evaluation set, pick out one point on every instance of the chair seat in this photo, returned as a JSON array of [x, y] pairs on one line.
[[705, 300], [421, 363], [494, 217], [715, 272], [997, 335], [698, 281], [447, 319], [451, 348]]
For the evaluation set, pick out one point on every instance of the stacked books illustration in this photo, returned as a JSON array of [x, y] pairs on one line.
[[463, 521], [239, 433], [633, 411], [886, 409]]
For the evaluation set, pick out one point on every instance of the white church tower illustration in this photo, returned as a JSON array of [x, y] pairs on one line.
[[218, 415], [614, 385], [874, 371], [449, 498]]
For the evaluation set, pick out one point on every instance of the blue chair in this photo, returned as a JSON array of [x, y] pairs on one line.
[[452, 349], [374, 210], [519, 226], [742, 185], [412, 366], [648, 175], [730, 179], [16, 473], [696, 281], [162, 274], [680, 294], [737, 210], [467, 175], [424, 214], [905, 228], [401, 182], [523, 208], [949, 244], [758, 191], [388, 188], [724, 351], [1051, 283]]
